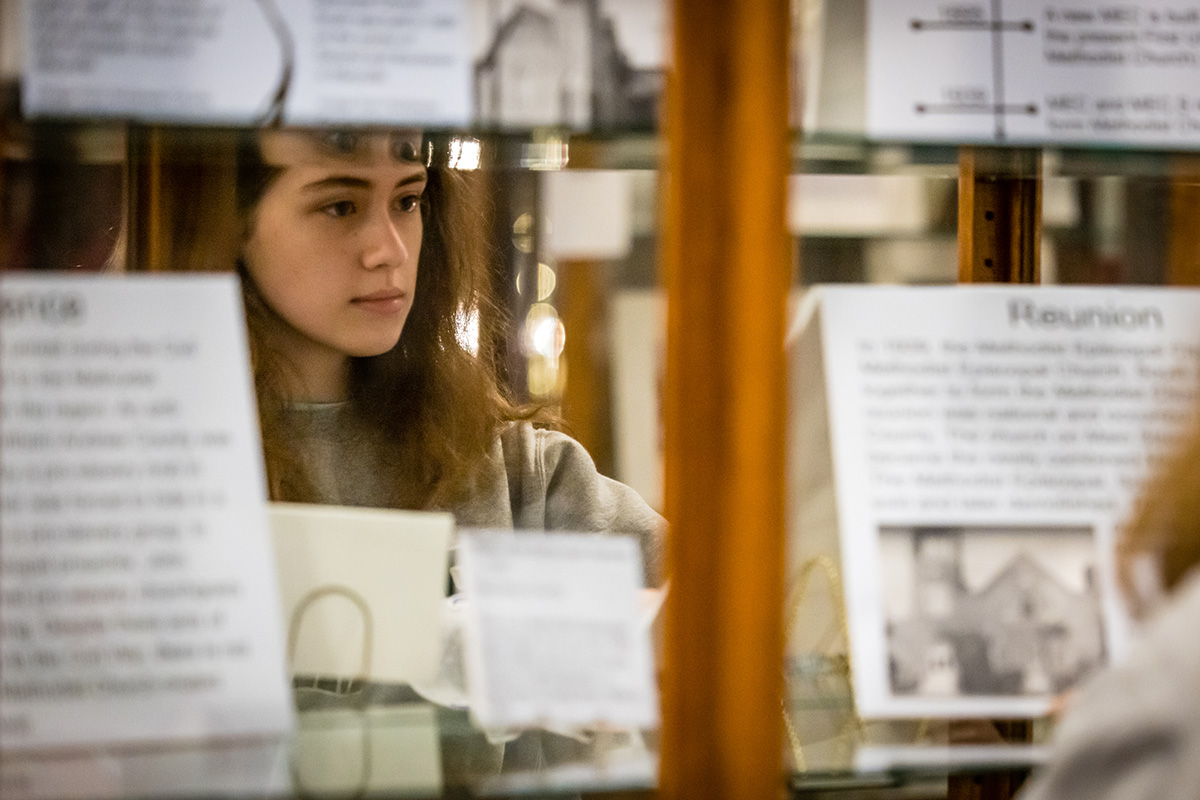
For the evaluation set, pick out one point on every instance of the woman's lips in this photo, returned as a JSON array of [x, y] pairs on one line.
[[388, 301]]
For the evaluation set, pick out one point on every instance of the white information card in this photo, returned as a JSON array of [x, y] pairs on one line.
[[986, 444], [379, 62], [554, 630], [207, 60], [241, 61], [137, 585], [1034, 71]]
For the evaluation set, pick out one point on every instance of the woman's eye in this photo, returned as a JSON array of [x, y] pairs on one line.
[[342, 208], [409, 202]]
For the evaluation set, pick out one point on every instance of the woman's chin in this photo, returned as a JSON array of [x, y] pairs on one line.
[[370, 349], [367, 343]]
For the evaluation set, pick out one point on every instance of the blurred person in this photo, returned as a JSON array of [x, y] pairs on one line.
[[1133, 731]]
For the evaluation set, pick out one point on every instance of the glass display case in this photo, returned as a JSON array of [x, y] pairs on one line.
[[571, 179]]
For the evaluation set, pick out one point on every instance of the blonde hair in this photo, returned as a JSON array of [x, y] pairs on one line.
[[1164, 530]]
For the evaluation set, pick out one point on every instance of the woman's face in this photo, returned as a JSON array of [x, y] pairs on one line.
[[334, 243]]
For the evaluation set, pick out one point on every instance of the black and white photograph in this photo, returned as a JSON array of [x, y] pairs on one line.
[[577, 63], [990, 611]]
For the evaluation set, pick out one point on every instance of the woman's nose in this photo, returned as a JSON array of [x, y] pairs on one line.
[[383, 244]]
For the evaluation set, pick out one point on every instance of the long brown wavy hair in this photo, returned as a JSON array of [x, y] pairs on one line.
[[436, 406]]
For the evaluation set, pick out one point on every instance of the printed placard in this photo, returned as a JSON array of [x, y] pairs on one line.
[[597, 65], [1034, 71], [554, 630], [379, 62], [137, 587], [304, 62], [221, 61], [986, 444]]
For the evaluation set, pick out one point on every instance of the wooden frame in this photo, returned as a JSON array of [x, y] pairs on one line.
[[999, 215], [726, 264]]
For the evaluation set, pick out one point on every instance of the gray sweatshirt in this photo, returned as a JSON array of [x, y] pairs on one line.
[[533, 480], [1133, 732]]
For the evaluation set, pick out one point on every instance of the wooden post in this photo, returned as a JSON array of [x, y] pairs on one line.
[[143, 200], [999, 241], [725, 262], [587, 394], [999, 215], [1183, 231]]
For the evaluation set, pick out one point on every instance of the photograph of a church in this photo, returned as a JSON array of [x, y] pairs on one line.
[[989, 611], [561, 62]]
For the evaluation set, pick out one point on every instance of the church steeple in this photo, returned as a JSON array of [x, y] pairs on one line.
[[937, 558]]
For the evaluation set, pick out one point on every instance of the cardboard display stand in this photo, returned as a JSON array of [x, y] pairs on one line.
[[970, 453]]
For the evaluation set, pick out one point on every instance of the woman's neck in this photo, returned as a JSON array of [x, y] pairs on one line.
[[315, 374], [319, 383]]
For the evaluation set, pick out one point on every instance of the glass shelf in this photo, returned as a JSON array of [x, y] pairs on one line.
[[415, 749]]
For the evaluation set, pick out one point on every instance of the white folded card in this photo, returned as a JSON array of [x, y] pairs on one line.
[[362, 590], [555, 633]]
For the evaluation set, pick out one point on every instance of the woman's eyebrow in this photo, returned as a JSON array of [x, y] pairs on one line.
[[352, 182], [416, 177]]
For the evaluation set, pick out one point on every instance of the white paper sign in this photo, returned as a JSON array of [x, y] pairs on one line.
[[1034, 71], [588, 213], [210, 60], [250, 61], [379, 61], [238, 768], [554, 637], [137, 590], [986, 443]]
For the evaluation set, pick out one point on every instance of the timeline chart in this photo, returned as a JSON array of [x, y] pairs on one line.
[[1030, 71]]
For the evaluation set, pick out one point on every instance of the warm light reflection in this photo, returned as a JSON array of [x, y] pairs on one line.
[[550, 153], [544, 331], [466, 329], [465, 153], [547, 281], [544, 340], [523, 233]]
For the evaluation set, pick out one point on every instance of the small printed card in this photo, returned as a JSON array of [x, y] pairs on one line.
[[138, 599], [555, 636], [379, 62]]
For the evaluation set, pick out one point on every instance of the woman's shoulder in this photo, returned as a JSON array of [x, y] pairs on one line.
[[1134, 729], [525, 468], [553, 484], [535, 448], [548, 468]]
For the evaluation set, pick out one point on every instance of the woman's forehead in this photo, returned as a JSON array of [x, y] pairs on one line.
[[293, 148]]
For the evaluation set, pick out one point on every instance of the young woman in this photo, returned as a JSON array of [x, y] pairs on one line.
[[359, 263], [1133, 732]]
